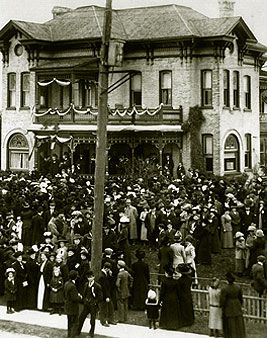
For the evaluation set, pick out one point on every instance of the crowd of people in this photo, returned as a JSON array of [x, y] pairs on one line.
[[46, 233]]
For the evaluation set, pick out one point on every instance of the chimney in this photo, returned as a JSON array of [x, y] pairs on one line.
[[226, 8], [58, 10]]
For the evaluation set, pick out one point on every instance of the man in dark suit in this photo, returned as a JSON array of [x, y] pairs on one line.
[[92, 296], [38, 227], [72, 299], [259, 275], [106, 280]]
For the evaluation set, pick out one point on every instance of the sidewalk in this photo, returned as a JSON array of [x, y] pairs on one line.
[[116, 331]]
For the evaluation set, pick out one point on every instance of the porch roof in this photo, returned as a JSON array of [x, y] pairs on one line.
[[110, 128], [70, 63]]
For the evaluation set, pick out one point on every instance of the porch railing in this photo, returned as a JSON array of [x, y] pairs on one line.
[[164, 116]]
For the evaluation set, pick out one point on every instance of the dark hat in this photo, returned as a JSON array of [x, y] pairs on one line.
[[73, 274], [77, 236], [107, 265], [18, 253], [30, 251], [72, 248], [230, 277], [184, 269], [140, 254], [261, 258], [52, 254], [90, 273]]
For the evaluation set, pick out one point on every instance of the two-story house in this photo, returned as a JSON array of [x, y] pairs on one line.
[[163, 60]]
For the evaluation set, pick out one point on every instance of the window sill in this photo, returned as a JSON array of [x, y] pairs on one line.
[[206, 107], [24, 108], [247, 110], [226, 108], [236, 108], [248, 169], [11, 108], [233, 172]]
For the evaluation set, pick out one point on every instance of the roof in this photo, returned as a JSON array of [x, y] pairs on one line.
[[131, 24]]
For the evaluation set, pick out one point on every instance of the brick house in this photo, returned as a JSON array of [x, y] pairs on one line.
[[163, 60]]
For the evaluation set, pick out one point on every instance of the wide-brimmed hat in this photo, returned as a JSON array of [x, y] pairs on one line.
[[18, 253], [230, 277], [8, 270], [47, 234], [184, 269], [239, 234], [259, 233], [251, 228], [108, 251], [77, 236], [121, 263]]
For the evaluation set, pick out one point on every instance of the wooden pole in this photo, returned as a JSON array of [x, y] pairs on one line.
[[101, 141]]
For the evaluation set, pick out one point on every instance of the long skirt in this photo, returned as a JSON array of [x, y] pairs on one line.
[[215, 318], [234, 327], [40, 293]]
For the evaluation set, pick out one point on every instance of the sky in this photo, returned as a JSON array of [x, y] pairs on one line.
[[254, 12]]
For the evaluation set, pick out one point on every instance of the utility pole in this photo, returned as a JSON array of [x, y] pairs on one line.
[[101, 141]]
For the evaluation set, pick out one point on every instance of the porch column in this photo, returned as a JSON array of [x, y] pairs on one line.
[[160, 154], [106, 166]]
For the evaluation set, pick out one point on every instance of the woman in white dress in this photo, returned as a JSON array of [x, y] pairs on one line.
[[45, 276], [215, 313]]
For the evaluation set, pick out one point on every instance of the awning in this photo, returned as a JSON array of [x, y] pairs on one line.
[[110, 128]]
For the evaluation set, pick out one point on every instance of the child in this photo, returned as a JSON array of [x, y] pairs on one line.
[[215, 314], [240, 253], [56, 291], [152, 309], [10, 290]]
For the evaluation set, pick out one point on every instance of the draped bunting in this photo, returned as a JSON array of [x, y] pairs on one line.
[[54, 138], [112, 112], [135, 111], [59, 82], [53, 112]]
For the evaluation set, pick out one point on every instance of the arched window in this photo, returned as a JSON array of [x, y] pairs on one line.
[[18, 153], [231, 154]]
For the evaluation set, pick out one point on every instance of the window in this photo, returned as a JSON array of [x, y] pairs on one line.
[[11, 99], [206, 88], [54, 94], [166, 87], [85, 93], [18, 149], [226, 89], [236, 89], [207, 144], [136, 90], [248, 151], [263, 148], [231, 154], [25, 89], [247, 92]]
